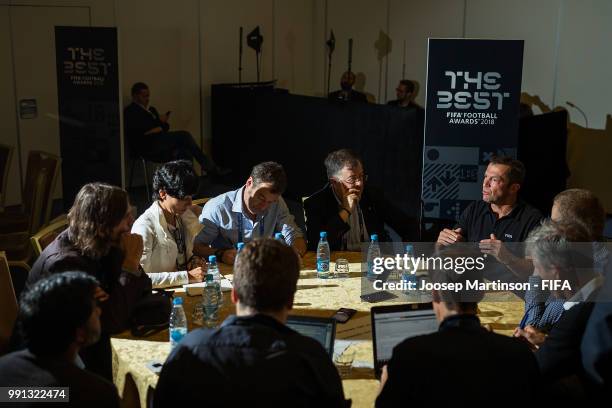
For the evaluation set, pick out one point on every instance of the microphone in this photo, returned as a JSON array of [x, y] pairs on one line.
[[350, 54], [586, 120], [331, 43]]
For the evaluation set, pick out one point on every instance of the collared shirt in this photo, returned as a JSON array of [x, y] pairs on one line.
[[542, 309], [223, 216], [585, 292], [478, 222]]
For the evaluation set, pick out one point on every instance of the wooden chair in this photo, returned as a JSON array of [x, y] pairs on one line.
[[8, 304], [45, 236], [17, 226], [6, 154], [200, 201]]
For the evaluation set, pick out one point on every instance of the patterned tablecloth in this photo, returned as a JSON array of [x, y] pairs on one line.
[[314, 297]]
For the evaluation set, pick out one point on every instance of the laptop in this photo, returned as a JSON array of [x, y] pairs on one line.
[[321, 329], [393, 324]]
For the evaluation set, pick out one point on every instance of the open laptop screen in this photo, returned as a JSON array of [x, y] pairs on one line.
[[321, 329], [393, 324]]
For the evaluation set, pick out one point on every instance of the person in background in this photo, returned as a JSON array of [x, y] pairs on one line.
[[405, 93], [98, 241], [169, 226], [255, 210], [253, 358], [347, 93], [59, 316], [149, 135], [349, 211]]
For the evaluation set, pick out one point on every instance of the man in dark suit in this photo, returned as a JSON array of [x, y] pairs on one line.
[[462, 364], [349, 212], [253, 359], [347, 93], [148, 133]]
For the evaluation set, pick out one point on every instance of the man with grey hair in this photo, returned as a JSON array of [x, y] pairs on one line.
[[349, 212], [560, 253], [579, 213], [255, 210]]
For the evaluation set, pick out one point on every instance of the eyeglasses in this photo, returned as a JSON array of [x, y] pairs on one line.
[[351, 181]]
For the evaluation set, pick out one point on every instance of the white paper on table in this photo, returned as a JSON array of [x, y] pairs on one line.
[[341, 345], [196, 289], [363, 364]]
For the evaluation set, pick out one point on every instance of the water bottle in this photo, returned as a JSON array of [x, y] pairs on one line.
[[213, 269], [178, 322], [409, 273], [239, 246], [373, 252], [323, 256], [211, 301], [279, 237]]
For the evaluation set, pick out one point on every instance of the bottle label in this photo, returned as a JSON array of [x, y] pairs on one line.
[[322, 265]]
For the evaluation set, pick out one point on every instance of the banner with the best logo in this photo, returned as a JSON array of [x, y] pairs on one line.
[[88, 105], [472, 114]]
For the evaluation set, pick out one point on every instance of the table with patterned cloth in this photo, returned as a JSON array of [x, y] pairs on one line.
[[314, 297]]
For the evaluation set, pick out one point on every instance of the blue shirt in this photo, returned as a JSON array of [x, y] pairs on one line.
[[223, 217]]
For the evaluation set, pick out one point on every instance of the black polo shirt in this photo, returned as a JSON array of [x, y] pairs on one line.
[[478, 222]]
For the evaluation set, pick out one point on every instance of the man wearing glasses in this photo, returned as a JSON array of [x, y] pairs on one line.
[[253, 211], [349, 212]]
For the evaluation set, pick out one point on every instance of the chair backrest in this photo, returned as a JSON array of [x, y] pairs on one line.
[[45, 236], [8, 304], [41, 176], [6, 154], [200, 201]]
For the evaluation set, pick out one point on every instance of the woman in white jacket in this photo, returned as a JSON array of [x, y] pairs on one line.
[[168, 228]]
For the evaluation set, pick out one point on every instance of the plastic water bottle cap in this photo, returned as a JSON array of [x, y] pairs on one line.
[[212, 259], [323, 234], [278, 236], [374, 237], [240, 245], [177, 301]]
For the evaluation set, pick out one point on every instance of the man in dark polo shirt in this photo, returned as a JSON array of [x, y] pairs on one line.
[[253, 359], [499, 217]]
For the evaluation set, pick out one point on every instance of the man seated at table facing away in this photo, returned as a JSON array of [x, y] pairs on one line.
[[98, 241], [255, 210], [59, 316], [349, 211], [560, 251], [462, 364], [574, 206], [253, 358], [499, 217], [169, 226]]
